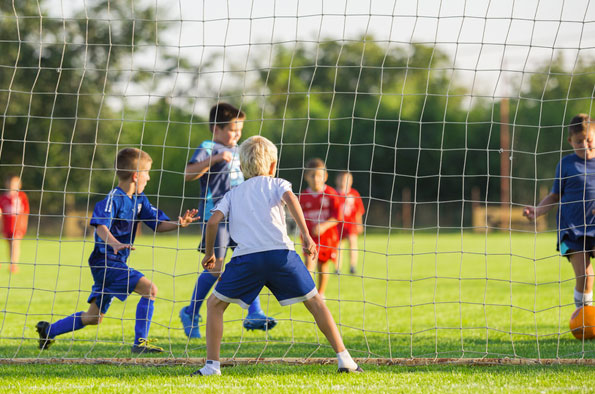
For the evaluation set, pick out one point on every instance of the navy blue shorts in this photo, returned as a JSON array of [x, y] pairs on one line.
[[582, 244], [114, 280], [222, 240], [281, 271]]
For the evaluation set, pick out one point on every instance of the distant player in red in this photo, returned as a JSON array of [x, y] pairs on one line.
[[353, 210], [14, 211], [321, 207]]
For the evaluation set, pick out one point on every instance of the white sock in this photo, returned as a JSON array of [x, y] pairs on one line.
[[345, 360], [581, 299], [211, 368], [588, 298]]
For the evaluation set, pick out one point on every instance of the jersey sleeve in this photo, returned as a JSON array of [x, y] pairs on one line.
[[556, 187], [203, 152], [282, 187], [104, 211], [150, 215], [223, 205]]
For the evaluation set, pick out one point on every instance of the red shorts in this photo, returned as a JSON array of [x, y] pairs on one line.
[[9, 234], [347, 230], [326, 253]]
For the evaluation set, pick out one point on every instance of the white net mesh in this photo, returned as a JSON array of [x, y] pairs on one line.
[[451, 116]]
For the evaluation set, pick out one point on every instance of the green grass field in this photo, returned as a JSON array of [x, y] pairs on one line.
[[415, 296]]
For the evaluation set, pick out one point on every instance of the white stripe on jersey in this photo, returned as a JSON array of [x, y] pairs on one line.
[[110, 198]]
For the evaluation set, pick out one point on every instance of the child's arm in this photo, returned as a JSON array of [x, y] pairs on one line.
[[183, 221], [196, 170], [106, 235], [321, 228], [208, 262], [298, 215], [550, 201], [358, 223]]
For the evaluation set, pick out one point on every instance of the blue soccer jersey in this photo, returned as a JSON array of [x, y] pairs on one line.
[[220, 178], [575, 184], [121, 215]]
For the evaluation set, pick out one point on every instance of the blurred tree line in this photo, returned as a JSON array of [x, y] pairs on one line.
[[397, 117]]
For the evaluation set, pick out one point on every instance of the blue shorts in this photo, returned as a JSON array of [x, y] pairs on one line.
[[222, 240], [582, 244], [281, 271], [114, 280]]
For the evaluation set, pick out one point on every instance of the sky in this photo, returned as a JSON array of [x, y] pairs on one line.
[[490, 42]]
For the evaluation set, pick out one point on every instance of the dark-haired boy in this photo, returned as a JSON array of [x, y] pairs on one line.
[[217, 165]]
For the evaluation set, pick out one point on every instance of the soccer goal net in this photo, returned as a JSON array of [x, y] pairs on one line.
[[450, 117]]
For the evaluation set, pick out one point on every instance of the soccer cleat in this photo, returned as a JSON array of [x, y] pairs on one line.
[[352, 270], [198, 373], [190, 323], [350, 370], [43, 328], [144, 346], [259, 321]]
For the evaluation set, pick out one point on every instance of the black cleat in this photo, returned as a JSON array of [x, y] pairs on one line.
[[43, 328], [350, 370]]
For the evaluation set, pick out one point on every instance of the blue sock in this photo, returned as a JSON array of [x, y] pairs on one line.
[[203, 285], [144, 314], [68, 324], [255, 306]]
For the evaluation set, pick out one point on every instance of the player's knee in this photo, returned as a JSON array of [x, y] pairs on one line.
[[153, 291], [92, 319]]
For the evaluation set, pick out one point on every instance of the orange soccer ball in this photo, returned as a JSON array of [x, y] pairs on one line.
[[582, 322]]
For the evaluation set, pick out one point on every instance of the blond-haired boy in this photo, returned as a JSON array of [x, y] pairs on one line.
[[265, 254]]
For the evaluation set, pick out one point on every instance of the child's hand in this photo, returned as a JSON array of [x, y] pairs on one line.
[[189, 217], [120, 246], [309, 247], [529, 213], [208, 262], [225, 156]]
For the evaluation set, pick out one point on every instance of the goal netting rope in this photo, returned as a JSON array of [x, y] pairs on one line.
[[450, 116]]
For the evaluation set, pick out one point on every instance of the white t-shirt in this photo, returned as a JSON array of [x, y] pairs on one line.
[[256, 215]]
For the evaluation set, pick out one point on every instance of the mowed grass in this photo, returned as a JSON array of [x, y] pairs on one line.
[[415, 295]]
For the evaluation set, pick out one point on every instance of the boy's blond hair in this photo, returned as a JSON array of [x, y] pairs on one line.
[[256, 156], [129, 160], [580, 124]]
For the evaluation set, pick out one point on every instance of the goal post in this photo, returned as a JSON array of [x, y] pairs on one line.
[[451, 119]]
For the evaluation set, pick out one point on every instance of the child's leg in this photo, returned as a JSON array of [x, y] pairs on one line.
[[322, 277], [76, 321], [144, 308], [352, 240], [15, 254], [339, 257], [583, 271], [327, 325], [215, 310], [204, 283]]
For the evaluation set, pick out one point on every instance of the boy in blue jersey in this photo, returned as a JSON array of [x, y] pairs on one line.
[[573, 193], [116, 219], [216, 164], [265, 255]]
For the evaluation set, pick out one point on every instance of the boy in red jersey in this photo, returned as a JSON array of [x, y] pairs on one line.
[[353, 210], [14, 210], [321, 206]]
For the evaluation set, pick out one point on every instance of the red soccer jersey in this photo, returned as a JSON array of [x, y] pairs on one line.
[[15, 210], [352, 207], [318, 208]]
